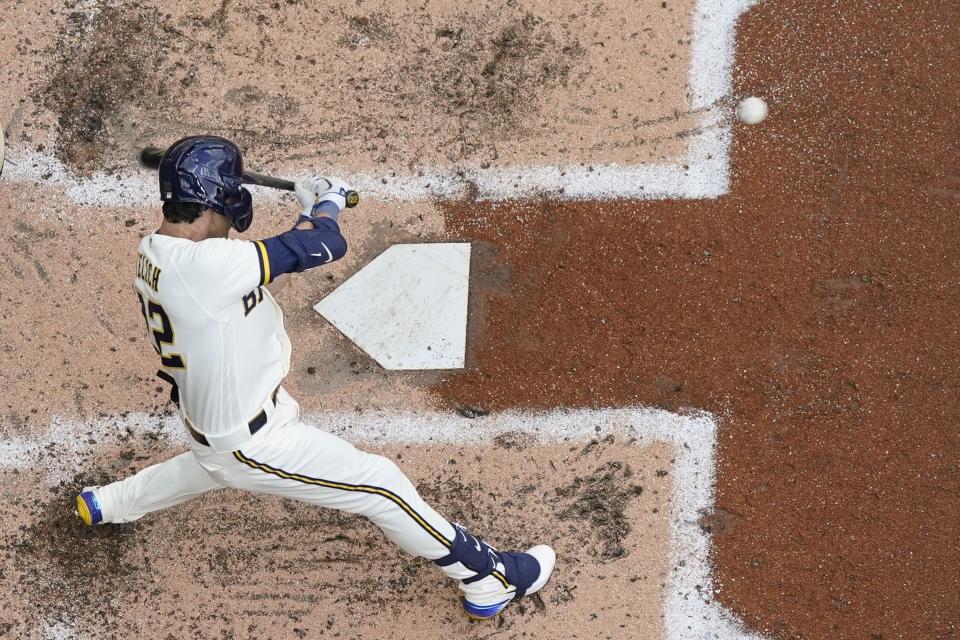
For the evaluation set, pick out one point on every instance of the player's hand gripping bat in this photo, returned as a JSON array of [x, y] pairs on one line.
[[150, 157]]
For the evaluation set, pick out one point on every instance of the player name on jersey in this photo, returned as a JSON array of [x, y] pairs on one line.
[[147, 272]]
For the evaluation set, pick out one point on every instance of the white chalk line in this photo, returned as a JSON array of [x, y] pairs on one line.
[[689, 610], [597, 182], [703, 173]]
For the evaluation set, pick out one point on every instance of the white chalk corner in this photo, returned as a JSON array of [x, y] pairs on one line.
[[407, 309]]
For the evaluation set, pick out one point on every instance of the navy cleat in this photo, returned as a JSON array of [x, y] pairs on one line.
[[491, 579], [516, 574]]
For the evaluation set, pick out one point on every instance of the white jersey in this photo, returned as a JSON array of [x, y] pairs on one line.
[[218, 330]]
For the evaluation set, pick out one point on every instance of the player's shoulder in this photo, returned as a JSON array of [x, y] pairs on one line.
[[221, 246], [203, 253]]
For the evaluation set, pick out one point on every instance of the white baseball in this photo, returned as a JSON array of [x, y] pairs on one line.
[[752, 110]]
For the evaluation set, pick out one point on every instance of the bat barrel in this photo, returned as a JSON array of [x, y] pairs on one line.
[[150, 157]]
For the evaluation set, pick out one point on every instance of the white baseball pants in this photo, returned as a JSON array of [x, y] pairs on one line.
[[295, 460]]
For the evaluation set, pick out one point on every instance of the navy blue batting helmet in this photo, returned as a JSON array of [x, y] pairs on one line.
[[207, 170]]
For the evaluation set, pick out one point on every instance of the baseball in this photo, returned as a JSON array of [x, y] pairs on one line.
[[752, 110]]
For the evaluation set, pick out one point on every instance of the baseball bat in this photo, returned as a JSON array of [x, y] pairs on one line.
[[150, 158]]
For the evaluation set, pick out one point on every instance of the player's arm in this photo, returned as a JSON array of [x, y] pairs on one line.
[[308, 245], [281, 281], [219, 271], [316, 239]]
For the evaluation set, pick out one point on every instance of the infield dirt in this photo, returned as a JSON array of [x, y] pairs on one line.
[[260, 567], [813, 308]]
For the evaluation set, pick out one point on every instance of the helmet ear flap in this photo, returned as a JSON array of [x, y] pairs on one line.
[[229, 198], [241, 213]]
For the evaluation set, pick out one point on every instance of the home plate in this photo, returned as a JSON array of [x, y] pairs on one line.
[[408, 308]]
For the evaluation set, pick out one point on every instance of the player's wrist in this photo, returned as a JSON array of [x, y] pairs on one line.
[[320, 221], [327, 207]]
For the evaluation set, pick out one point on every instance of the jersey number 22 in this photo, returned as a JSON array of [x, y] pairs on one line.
[[162, 335]]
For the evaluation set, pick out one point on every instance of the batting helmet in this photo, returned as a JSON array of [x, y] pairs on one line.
[[207, 170]]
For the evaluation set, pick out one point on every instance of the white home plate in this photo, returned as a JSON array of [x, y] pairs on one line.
[[408, 308]]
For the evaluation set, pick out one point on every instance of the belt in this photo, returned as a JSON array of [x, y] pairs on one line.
[[255, 424]]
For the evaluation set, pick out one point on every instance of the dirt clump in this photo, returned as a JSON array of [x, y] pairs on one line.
[[376, 29], [601, 499], [514, 440]]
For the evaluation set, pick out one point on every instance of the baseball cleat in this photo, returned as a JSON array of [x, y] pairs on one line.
[[526, 574], [88, 508]]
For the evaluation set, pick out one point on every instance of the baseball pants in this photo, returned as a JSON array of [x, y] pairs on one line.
[[291, 459]]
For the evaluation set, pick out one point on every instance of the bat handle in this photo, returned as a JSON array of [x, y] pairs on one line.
[[352, 197]]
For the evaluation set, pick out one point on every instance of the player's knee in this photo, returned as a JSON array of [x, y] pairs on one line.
[[386, 471]]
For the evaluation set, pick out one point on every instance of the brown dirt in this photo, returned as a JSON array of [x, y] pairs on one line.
[[384, 86], [814, 308], [238, 565]]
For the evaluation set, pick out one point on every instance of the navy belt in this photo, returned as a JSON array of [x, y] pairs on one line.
[[255, 424]]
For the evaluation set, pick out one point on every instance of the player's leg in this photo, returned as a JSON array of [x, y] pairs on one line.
[[156, 487], [303, 462]]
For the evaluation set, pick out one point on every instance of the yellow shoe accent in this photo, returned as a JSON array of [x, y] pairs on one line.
[[84, 512]]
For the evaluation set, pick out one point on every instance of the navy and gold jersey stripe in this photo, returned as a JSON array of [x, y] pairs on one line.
[[389, 495], [264, 259]]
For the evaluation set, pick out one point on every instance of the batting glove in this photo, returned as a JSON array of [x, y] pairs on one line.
[[311, 192]]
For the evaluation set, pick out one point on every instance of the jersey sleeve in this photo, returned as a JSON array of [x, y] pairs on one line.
[[220, 271], [301, 249]]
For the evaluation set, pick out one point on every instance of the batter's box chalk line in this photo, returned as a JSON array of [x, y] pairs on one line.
[[703, 173], [690, 612]]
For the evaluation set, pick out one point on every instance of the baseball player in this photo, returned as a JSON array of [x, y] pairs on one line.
[[209, 306]]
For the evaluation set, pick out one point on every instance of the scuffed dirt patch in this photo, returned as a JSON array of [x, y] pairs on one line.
[[382, 86], [490, 71], [70, 573], [109, 61], [601, 498]]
